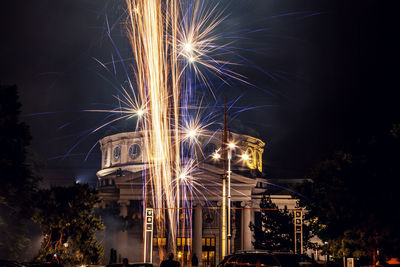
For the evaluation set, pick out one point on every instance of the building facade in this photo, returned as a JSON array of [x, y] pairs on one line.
[[121, 187]]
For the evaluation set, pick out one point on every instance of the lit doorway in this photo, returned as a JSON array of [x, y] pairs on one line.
[[208, 253], [184, 246]]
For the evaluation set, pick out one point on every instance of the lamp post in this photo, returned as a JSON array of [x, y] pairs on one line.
[[223, 228], [226, 195], [231, 146]]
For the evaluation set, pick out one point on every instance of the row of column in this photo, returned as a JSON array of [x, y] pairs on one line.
[[197, 233], [246, 234]]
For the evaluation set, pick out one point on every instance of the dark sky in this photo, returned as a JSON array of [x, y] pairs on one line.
[[327, 70]]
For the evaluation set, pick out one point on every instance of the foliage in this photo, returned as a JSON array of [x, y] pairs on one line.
[[66, 216], [352, 198], [18, 184], [276, 230]]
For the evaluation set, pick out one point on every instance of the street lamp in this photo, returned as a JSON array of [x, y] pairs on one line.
[[231, 147], [244, 157], [216, 155]]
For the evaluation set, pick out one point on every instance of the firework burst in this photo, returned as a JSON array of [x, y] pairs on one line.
[[171, 42]]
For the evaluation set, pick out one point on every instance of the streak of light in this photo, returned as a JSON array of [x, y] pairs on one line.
[[170, 41]]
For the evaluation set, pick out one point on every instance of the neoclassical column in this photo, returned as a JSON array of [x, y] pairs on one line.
[[123, 234], [197, 231], [245, 226]]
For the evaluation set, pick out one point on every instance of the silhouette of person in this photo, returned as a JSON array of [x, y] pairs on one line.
[[170, 261], [195, 260]]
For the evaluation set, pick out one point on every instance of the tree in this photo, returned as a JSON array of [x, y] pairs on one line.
[[276, 229], [18, 184], [352, 198], [66, 217]]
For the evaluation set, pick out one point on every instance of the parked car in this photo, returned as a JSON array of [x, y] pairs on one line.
[[267, 259], [288, 259]]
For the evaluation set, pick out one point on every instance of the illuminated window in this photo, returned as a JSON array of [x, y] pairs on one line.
[[159, 241], [117, 153]]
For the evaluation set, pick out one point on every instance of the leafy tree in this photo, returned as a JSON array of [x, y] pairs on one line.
[[66, 216], [352, 198], [276, 230], [18, 184]]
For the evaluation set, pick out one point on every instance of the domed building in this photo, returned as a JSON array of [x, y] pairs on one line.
[[121, 187]]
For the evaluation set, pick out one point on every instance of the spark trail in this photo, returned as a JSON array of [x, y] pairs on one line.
[[170, 40], [157, 81]]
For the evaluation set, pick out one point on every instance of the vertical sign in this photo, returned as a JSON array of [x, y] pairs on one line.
[[148, 236], [298, 230]]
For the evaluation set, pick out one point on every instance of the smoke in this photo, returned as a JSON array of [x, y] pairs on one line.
[[35, 236], [122, 234]]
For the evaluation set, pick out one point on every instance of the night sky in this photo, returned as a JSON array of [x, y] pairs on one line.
[[324, 72]]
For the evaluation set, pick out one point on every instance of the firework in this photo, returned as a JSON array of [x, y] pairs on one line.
[[170, 41]]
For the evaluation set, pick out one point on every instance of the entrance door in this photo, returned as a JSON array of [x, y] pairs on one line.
[[208, 254], [184, 248]]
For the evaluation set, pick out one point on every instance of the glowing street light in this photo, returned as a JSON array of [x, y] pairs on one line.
[[245, 157], [216, 155], [232, 145]]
